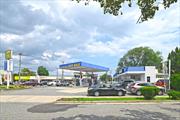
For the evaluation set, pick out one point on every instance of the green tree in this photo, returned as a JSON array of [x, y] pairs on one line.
[[27, 72], [42, 71], [175, 81], [140, 56], [174, 56], [148, 8], [105, 77]]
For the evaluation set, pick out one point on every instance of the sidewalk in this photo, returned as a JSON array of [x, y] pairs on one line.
[[46, 99]]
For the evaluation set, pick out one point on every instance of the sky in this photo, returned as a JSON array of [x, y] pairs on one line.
[[48, 32]]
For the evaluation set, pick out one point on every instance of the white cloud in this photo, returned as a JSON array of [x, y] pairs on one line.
[[62, 54], [9, 37], [53, 31]]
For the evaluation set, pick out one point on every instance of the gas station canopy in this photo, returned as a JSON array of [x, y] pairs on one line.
[[83, 67]]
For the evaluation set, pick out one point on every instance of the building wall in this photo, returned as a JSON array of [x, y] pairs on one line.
[[143, 77], [140, 74], [150, 71]]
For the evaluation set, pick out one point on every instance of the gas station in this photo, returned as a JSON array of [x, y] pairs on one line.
[[83, 67]]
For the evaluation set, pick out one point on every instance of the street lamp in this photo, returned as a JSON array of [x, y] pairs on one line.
[[20, 54], [62, 75]]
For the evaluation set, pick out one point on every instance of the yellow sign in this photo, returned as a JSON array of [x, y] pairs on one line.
[[72, 65], [8, 54], [22, 77]]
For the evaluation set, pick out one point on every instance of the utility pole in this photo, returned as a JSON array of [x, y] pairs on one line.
[[57, 74], [62, 75], [20, 54], [169, 74], [1, 66]]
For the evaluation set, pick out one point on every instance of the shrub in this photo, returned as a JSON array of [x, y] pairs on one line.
[[175, 81], [175, 95], [149, 92]]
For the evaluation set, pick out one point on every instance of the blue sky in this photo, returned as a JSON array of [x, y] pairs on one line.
[[49, 32]]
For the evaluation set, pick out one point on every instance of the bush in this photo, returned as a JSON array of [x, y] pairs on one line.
[[175, 82], [175, 95], [149, 92]]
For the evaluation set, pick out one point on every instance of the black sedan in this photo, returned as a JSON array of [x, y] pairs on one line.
[[104, 90]]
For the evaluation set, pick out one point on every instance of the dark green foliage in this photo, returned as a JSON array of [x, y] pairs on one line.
[[148, 8], [140, 56], [175, 81], [42, 71], [105, 77], [149, 92], [27, 72], [175, 95], [174, 56]]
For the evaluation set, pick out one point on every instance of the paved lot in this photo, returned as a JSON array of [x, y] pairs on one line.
[[53, 111], [41, 94], [38, 104], [49, 91]]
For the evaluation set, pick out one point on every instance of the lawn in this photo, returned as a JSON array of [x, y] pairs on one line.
[[13, 87], [113, 99]]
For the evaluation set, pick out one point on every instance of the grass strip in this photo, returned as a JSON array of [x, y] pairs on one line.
[[112, 99], [13, 87]]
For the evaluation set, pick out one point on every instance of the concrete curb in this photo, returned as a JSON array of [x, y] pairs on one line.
[[120, 102], [131, 103]]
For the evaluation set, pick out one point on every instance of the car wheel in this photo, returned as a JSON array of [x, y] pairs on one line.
[[120, 93], [96, 93], [160, 92], [138, 93]]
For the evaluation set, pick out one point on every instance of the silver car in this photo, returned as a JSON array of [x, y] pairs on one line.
[[135, 87]]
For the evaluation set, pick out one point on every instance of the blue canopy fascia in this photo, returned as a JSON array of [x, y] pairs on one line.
[[84, 67]]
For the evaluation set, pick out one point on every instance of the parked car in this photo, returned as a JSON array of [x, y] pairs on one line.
[[62, 83], [52, 83], [135, 87], [163, 83], [43, 82], [5, 83], [126, 82], [104, 90], [30, 83]]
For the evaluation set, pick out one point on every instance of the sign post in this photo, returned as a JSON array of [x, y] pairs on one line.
[[9, 66]]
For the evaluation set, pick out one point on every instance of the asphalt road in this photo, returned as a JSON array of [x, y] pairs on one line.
[[38, 104], [49, 91], [54, 111]]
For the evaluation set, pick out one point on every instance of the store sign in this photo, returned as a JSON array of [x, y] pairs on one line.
[[8, 54], [8, 65], [72, 65], [5, 65]]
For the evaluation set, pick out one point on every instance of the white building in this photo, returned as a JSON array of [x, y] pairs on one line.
[[140, 73]]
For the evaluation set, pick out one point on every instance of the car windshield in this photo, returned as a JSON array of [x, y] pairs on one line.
[[150, 84]]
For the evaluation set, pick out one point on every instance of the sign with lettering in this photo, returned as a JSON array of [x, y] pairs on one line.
[[8, 54], [72, 65]]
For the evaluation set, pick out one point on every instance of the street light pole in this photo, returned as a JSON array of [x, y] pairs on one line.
[[169, 74], [62, 75], [20, 54], [57, 74]]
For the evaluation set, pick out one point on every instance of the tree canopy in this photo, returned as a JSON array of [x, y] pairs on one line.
[[27, 72], [174, 56], [148, 8], [140, 56], [42, 71], [105, 77]]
